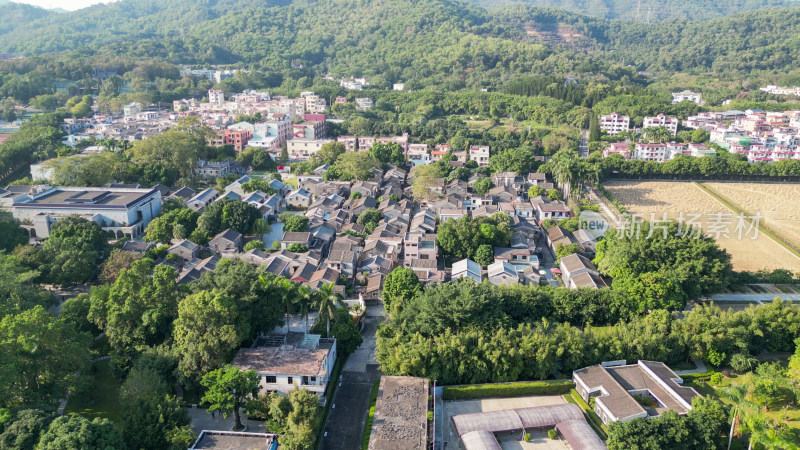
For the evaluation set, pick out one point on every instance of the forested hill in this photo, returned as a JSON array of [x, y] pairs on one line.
[[649, 10], [446, 43], [12, 14]]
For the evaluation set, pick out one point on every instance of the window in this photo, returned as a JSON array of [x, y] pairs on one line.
[[290, 380], [313, 379], [270, 379]]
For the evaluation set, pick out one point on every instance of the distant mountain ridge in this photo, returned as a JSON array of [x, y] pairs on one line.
[[649, 10], [401, 40]]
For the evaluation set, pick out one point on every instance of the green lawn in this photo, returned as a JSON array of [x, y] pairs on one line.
[[102, 399], [792, 413]]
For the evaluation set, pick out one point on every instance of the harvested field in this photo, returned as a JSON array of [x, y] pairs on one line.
[[673, 198], [779, 204]]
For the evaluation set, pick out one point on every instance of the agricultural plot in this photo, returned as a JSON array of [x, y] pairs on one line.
[[778, 204], [684, 199]]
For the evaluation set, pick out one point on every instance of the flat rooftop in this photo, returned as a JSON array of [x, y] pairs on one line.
[[400, 414], [87, 198], [223, 440]]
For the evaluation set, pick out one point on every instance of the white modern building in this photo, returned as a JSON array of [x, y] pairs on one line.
[[694, 97], [615, 123], [122, 212], [670, 123]]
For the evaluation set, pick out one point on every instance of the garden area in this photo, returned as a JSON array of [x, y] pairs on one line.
[[99, 394]]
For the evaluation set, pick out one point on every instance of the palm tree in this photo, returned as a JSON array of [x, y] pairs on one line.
[[305, 298], [326, 302], [286, 291]]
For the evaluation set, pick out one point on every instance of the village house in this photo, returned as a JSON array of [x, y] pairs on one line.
[[228, 241], [467, 268], [290, 361], [202, 199], [578, 272], [185, 249]]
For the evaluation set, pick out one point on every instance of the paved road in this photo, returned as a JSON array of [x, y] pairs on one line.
[[351, 402], [584, 147], [548, 262], [607, 212]]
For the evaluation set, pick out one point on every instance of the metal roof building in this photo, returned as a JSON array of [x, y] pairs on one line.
[[477, 429]]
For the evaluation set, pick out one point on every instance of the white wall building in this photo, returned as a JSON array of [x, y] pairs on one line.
[[615, 123], [287, 362], [120, 211], [694, 97], [670, 123]]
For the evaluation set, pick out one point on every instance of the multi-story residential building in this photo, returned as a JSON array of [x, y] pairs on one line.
[[419, 245], [479, 154], [615, 123], [349, 142], [304, 149], [776, 90], [670, 123], [310, 129], [618, 148], [122, 212], [216, 97], [237, 138]]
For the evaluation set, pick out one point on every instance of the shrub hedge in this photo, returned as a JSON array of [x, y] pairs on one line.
[[507, 389]]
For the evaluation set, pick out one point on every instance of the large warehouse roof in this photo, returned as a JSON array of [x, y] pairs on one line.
[[477, 429], [516, 419], [580, 435], [480, 440]]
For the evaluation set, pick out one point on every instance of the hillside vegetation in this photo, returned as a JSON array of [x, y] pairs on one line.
[[445, 43], [649, 10]]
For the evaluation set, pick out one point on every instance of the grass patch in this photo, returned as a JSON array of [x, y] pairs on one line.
[[499, 390], [102, 399], [329, 393], [591, 417], [373, 397]]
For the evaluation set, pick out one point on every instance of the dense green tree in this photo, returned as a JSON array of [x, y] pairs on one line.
[[207, 332], [117, 261], [18, 288], [226, 389], [462, 237], [74, 431], [41, 355], [388, 153], [293, 222], [400, 286], [255, 244], [483, 186], [24, 432], [370, 219], [227, 213], [258, 303], [355, 166], [484, 255], [138, 310], [155, 422], [329, 153], [73, 251], [11, 234]]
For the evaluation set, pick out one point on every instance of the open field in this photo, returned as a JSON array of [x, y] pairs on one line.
[[654, 198], [779, 204]]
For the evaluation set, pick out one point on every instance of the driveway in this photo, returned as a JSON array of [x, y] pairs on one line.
[[350, 406]]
